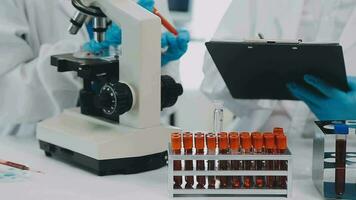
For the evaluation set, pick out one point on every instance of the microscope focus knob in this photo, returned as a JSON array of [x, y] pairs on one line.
[[115, 98], [170, 91]]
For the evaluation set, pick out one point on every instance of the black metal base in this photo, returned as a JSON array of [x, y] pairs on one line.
[[106, 167]]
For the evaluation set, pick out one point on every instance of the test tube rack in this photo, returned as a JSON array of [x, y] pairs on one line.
[[257, 192]]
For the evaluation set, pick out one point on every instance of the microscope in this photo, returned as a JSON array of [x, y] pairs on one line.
[[116, 129]]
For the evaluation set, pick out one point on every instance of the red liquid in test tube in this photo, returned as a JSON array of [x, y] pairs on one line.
[[257, 142], [200, 164], [283, 165], [211, 144], [176, 140], [234, 140], [246, 149], [341, 132], [188, 164], [269, 141], [223, 164]]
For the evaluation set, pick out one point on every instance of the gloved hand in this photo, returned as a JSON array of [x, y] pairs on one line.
[[333, 105], [112, 38], [176, 46], [113, 33]]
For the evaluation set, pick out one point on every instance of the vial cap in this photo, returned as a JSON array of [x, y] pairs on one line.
[[176, 140], [199, 140], [234, 140], [211, 141], [281, 142], [188, 140], [246, 141], [223, 141], [278, 130], [341, 129], [269, 140], [255, 133], [244, 133], [257, 140]]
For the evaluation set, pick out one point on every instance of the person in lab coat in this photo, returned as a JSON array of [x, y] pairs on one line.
[[309, 20], [31, 89]]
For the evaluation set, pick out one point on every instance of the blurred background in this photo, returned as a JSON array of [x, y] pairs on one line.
[[201, 18]]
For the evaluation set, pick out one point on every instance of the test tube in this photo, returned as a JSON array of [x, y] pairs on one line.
[[282, 165], [223, 164], [211, 144], [176, 140], [257, 143], [277, 131], [188, 164], [218, 116], [269, 140], [234, 141], [246, 164], [200, 165], [341, 132]]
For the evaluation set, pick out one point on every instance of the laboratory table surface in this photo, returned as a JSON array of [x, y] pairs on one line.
[[66, 182]]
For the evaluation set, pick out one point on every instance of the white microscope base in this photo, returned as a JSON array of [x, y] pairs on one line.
[[103, 147]]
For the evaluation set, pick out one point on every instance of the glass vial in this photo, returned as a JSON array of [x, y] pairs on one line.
[[234, 140], [176, 140], [257, 142], [269, 141], [200, 164], [188, 164], [246, 164], [223, 164], [211, 144]]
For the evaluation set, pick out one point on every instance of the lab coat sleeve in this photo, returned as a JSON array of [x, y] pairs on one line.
[[31, 89]]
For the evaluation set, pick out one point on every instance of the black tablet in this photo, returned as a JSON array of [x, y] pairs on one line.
[[261, 70]]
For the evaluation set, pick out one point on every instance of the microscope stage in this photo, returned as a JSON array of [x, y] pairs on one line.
[[103, 147]]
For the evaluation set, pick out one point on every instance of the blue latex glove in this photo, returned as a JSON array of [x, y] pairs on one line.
[[148, 4], [112, 38], [333, 105], [112, 35], [176, 45]]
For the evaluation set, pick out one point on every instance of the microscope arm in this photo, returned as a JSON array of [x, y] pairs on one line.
[[141, 57]]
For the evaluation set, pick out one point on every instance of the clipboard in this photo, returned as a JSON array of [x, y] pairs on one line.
[[260, 69]]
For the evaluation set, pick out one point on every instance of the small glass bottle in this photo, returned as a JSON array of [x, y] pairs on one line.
[[234, 140], [200, 164], [188, 164], [176, 140], [218, 116]]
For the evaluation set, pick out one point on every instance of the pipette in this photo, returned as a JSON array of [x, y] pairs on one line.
[[17, 166], [165, 22]]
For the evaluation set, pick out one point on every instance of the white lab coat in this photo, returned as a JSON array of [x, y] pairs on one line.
[[31, 89], [310, 20]]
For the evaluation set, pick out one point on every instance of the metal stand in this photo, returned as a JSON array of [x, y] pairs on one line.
[[257, 192]]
